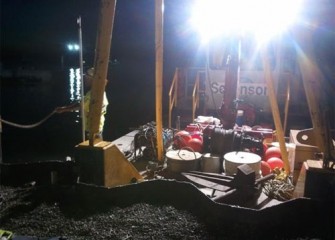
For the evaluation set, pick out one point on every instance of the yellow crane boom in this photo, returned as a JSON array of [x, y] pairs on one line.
[[103, 45]]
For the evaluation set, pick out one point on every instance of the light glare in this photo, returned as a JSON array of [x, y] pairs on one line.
[[264, 18]]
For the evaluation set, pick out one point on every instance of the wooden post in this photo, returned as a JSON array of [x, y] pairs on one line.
[[159, 5], [313, 81], [275, 109], [103, 45]]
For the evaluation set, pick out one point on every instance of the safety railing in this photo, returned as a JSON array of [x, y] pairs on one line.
[[173, 96], [287, 102], [195, 94]]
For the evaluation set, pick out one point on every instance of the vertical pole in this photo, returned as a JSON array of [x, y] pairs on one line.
[[81, 78], [238, 77], [159, 9], [275, 109], [0, 130], [0, 127], [103, 45], [228, 111], [0, 138], [0, 143]]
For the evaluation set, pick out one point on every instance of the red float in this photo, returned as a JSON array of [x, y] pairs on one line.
[[275, 162], [265, 168], [195, 144], [181, 139], [272, 152], [265, 147]]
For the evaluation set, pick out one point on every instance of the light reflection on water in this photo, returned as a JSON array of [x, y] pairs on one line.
[[75, 88], [75, 84], [28, 101]]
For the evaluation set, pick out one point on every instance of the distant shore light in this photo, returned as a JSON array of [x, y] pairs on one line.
[[73, 47]]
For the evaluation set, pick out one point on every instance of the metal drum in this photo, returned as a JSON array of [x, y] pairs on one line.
[[234, 159], [210, 163], [182, 160]]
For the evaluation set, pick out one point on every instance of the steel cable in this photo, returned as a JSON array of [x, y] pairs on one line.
[[27, 126]]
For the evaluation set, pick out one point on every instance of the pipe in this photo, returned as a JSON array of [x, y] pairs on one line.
[[81, 78]]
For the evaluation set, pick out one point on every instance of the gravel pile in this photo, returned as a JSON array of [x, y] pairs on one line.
[[23, 215], [44, 213]]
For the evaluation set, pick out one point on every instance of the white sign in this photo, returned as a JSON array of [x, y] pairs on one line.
[[217, 87], [252, 89]]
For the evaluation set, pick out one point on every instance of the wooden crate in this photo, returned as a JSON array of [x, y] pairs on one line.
[[104, 164], [302, 152]]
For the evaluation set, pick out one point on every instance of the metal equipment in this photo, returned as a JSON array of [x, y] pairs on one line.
[[217, 140], [243, 185], [145, 141]]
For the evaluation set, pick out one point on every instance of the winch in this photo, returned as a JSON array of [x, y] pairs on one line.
[[216, 140]]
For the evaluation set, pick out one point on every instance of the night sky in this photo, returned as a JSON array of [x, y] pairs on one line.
[[34, 34], [37, 29]]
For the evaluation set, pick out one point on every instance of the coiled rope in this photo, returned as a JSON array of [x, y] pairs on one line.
[[26, 126], [280, 188]]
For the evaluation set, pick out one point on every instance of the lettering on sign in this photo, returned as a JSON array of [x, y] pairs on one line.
[[217, 88], [253, 90], [244, 90]]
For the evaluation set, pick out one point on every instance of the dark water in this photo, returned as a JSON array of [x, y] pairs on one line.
[[131, 104]]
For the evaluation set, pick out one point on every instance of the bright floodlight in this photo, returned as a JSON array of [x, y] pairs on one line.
[[73, 47], [264, 18]]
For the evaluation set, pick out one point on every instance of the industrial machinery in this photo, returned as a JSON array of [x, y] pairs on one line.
[[102, 163], [280, 83], [233, 85]]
